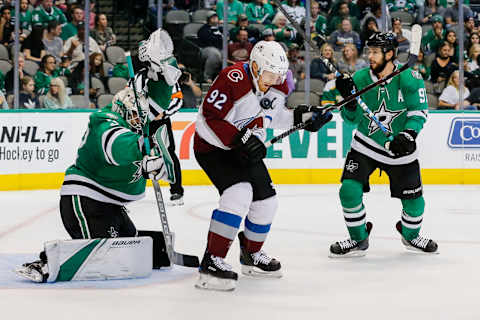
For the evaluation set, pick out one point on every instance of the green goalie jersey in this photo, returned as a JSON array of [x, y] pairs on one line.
[[400, 104], [108, 167]]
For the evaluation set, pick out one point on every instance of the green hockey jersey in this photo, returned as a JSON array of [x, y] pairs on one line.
[[108, 167], [400, 104]]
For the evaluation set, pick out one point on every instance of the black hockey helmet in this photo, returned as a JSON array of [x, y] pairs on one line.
[[387, 41]]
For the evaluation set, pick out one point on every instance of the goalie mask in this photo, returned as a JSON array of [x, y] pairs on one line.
[[157, 52], [272, 65], [124, 103]]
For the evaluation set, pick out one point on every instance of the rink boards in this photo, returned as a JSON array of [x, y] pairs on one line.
[[37, 146]]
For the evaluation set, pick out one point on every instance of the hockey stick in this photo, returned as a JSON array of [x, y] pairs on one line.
[[174, 257]]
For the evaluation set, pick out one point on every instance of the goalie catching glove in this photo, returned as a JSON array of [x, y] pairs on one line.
[[315, 117], [347, 87], [154, 165], [403, 143]]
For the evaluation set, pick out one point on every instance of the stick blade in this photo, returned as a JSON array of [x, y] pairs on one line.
[[186, 260], [416, 39]]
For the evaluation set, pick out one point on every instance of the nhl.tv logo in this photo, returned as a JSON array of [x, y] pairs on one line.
[[464, 133]]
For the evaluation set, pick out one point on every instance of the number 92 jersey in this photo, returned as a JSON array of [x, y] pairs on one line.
[[231, 105]]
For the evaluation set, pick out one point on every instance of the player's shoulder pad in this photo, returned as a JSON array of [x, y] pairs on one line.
[[411, 79], [106, 115], [361, 75], [236, 77]]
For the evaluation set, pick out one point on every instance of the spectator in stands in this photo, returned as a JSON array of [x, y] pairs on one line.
[[353, 8], [9, 77], [210, 39], [188, 5], [473, 57], [52, 41], [295, 62], [27, 97], [343, 13], [235, 8], [345, 35], [320, 23], [473, 100], [350, 62], [120, 70], [377, 14], [434, 37], [45, 74], [60, 4], [6, 26], [3, 101], [57, 97], [47, 12], [365, 7], [73, 47], [443, 66], [428, 11], [318, 70], [295, 10], [450, 97], [242, 23], [403, 35], [70, 29], [191, 92], [260, 11], [469, 27], [33, 47], [451, 14], [267, 35], [64, 67], [25, 19], [451, 38], [102, 33], [92, 16], [401, 5], [474, 39], [421, 67], [76, 81], [241, 48], [370, 27], [281, 31], [96, 67]]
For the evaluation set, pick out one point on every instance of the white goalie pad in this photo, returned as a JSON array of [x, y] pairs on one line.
[[99, 259], [161, 143]]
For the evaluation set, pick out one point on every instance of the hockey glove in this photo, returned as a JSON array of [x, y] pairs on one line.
[[249, 146], [314, 116], [154, 165], [345, 86], [403, 143]]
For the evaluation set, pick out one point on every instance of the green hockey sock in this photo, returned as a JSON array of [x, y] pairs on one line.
[[351, 194], [412, 216]]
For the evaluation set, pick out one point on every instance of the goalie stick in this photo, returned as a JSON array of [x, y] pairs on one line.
[[169, 237]]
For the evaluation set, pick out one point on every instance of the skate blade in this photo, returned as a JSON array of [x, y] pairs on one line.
[[418, 251], [352, 254], [29, 274], [255, 272], [208, 282]]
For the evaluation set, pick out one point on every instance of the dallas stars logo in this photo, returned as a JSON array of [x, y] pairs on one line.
[[138, 173], [385, 117], [351, 166]]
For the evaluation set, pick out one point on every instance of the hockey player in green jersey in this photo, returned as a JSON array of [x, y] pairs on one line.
[[401, 106], [109, 172], [158, 80]]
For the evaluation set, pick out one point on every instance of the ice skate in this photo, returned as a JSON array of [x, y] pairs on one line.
[[36, 271], [419, 244], [258, 264], [176, 199], [216, 274], [349, 247]]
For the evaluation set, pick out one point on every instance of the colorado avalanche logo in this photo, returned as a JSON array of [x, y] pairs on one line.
[[235, 75], [266, 103]]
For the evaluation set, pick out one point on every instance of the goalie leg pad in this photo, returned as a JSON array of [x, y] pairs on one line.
[[99, 259]]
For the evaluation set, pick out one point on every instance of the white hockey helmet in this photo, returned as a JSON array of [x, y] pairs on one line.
[[124, 103], [157, 52], [271, 61]]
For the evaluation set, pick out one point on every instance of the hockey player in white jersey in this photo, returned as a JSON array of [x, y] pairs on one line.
[[244, 100]]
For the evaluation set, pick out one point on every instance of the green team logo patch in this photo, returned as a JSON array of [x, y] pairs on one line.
[[385, 116], [138, 173]]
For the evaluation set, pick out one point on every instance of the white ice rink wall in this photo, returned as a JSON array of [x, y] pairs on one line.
[[37, 146]]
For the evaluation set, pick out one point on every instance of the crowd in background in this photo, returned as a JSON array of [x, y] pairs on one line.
[[52, 37]]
